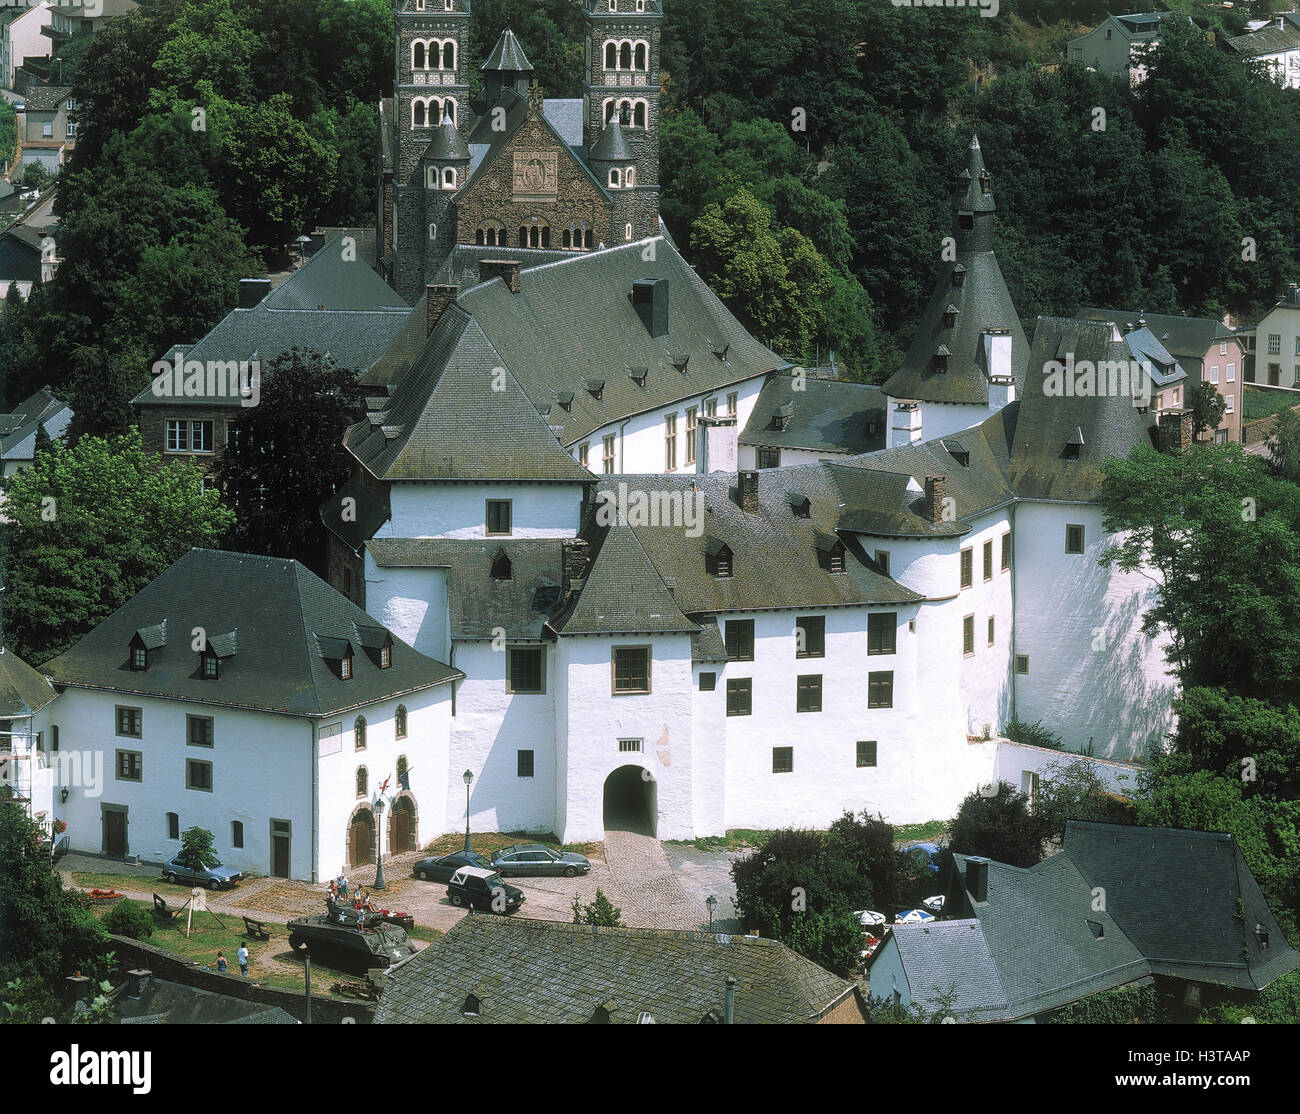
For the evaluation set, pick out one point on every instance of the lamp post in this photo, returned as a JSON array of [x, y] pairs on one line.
[[306, 969], [467, 777], [379, 843], [712, 903]]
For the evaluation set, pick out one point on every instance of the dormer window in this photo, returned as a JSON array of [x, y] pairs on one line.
[[210, 666], [718, 559], [958, 275], [638, 375], [377, 643], [830, 551], [950, 317], [144, 640], [941, 360], [472, 1007], [345, 668], [596, 388], [501, 567], [781, 417], [1261, 937], [801, 505], [385, 657], [139, 658], [565, 399]]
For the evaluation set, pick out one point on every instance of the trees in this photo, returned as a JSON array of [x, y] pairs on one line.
[[1000, 827], [1074, 791], [1207, 407], [286, 456], [600, 911], [90, 525], [196, 851]]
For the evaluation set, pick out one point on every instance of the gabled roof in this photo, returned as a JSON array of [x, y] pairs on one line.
[[448, 420], [943, 957], [1188, 338], [1154, 358], [478, 604], [624, 593], [23, 691], [545, 972], [508, 54], [18, 429], [1267, 40], [823, 415], [46, 98], [574, 320], [331, 280], [285, 616]]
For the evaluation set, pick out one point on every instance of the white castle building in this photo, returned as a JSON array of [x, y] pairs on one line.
[[548, 570]]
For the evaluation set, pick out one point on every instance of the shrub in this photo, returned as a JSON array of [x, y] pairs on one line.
[[131, 919], [1031, 734], [1000, 827], [600, 911]]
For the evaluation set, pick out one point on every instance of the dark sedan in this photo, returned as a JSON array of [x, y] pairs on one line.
[[534, 858], [441, 868]]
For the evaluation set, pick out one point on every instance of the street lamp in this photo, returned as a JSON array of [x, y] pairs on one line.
[[712, 903], [379, 844], [467, 777]]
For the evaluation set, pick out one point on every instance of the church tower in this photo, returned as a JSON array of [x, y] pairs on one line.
[[622, 81], [431, 87]]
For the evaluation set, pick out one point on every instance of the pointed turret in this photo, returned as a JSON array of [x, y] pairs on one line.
[[447, 144], [507, 67]]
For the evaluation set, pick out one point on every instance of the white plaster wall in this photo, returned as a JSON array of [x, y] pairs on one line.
[[433, 510], [790, 458], [985, 674], [412, 604], [489, 729], [709, 751], [1093, 674], [1015, 759], [1286, 324], [595, 720], [640, 446]]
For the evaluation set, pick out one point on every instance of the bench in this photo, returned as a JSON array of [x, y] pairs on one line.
[[256, 929], [162, 911]]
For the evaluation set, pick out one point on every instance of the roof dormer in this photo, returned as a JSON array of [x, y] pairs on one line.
[[830, 551], [217, 648], [718, 559], [377, 643], [145, 640], [501, 567], [337, 654]]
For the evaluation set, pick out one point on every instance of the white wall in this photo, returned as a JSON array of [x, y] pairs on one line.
[[790, 458], [412, 604], [1286, 324], [434, 510], [1093, 674]]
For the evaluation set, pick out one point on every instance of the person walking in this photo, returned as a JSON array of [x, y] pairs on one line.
[[242, 957]]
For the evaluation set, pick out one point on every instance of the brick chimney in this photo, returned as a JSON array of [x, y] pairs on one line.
[[439, 298], [576, 559], [935, 490], [747, 491], [1176, 431], [507, 269]]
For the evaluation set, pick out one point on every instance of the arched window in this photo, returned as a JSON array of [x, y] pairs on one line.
[[433, 232], [629, 179], [627, 232], [417, 56], [639, 115], [363, 781], [523, 236], [546, 235], [359, 733], [399, 726], [625, 112], [418, 114], [642, 56], [448, 178], [587, 239], [435, 113], [567, 239], [236, 833], [605, 113], [611, 56], [403, 778], [615, 180], [625, 56], [449, 109], [480, 238], [449, 56]]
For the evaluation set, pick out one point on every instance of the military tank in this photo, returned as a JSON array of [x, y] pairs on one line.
[[336, 933]]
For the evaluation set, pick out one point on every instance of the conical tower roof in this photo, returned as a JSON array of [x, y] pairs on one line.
[[974, 192], [447, 144], [612, 146], [508, 55]]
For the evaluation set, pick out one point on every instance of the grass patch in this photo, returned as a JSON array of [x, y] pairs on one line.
[[423, 932], [1257, 403], [94, 881], [926, 831], [489, 843], [736, 839]]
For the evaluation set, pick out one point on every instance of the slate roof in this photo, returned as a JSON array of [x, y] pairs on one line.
[[565, 116], [1267, 40], [18, 430], [1175, 894], [573, 320], [46, 98], [1043, 424], [624, 592], [461, 267], [282, 612], [478, 604], [329, 281], [447, 144], [23, 691], [983, 302], [827, 415], [943, 956], [169, 1003], [366, 513], [1188, 338], [708, 645], [447, 421], [508, 54], [544, 972], [612, 146]]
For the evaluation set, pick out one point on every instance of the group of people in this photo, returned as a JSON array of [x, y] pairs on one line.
[[338, 895], [241, 956]]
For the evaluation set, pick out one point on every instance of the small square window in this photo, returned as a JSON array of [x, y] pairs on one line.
[[810, 636], [139, 658], [708, 682], [526, 669], [769, 458], [130, 722], [524, 763], [740, 696], [130, 765], [631, 668], [809, 693], [866, 753], [1074, 539], [199, 731], [1022, 664], [198, 775], [498, 517], [783, 760], [967, 567]]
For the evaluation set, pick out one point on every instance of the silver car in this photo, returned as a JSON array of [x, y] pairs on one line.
[[215, 877], [534, 858]]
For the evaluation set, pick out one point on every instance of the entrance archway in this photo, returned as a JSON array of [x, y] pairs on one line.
[[630, 800], [361, 837]]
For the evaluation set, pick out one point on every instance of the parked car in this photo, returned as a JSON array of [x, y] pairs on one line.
[[215, 877], [534, 858], [440, 868], [483, 889]]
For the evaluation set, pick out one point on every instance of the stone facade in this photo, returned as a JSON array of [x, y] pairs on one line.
[[153, 430]]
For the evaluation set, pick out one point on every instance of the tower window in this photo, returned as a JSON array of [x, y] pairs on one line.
[[615, 179], [611, 56], [965, 221], [418, 114], [625, 56], [627, 232], [629, 177], [433, 232], [417, 56], [642, 56], [639, 114], [448, 178], [448, 56]]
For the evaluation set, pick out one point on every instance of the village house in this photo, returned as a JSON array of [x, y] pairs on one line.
[[1120, 44]]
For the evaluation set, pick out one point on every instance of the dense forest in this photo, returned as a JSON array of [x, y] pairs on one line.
[[808, 147]]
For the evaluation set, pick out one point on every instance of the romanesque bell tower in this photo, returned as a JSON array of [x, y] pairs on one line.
[[431, 87], [622, 81]]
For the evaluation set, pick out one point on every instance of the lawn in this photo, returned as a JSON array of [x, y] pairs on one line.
[[91, 881], [1258, 403], [926, 831], [736, 839], [489, 843]]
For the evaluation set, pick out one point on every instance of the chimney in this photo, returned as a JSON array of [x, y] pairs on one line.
[[575, 561], [977, 878], [650, 300], [729, 1007], [78, 988], [439, 298], [747, 489], [317, 242], [508, 269], [1176, 431], [935, 487], [252, 291], [137, 982]]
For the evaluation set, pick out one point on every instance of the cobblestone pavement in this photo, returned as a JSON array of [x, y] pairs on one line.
[[707, 873], [645, 879]]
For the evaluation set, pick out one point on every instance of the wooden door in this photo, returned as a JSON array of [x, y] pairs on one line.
[[401, 831], [360, 843], [280, 856], [114, 833]]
